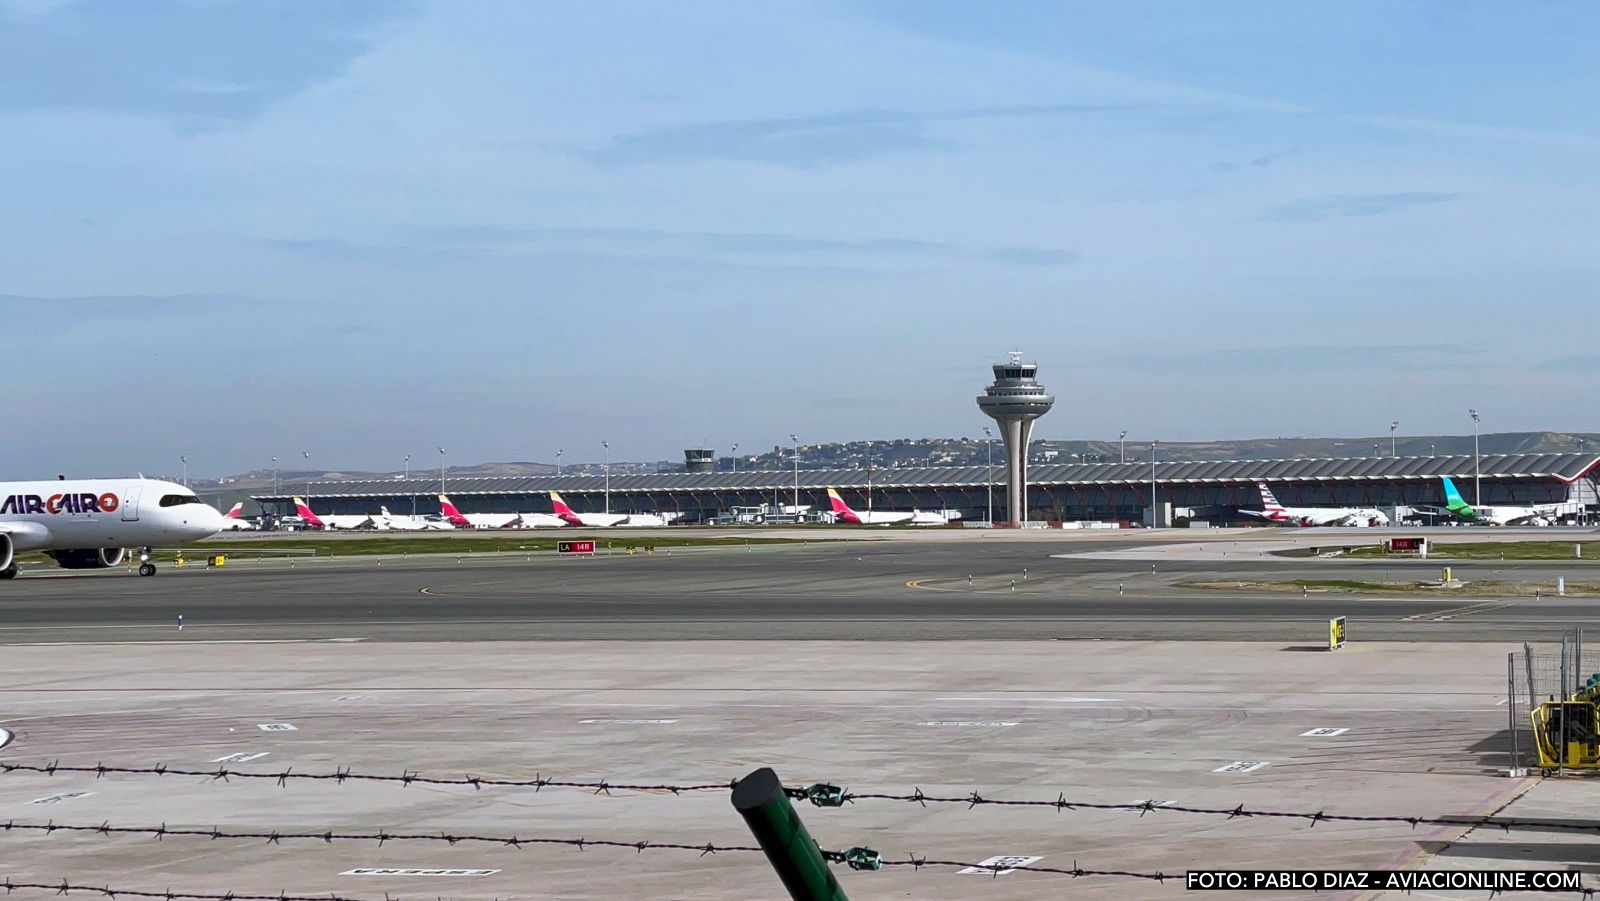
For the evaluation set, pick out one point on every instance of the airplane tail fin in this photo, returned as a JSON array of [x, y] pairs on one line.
[[236, 512], [1268, 501], [451, 514], [839, 506], [559, 505], [1452, 497], [304, 510]]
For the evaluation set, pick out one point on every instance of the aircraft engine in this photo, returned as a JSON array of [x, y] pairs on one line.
[[7, 551], [89, 558]]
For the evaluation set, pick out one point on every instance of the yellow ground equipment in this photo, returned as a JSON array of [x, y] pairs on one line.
[[1565, 731]]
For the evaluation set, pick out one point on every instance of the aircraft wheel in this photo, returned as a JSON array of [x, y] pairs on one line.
[[147, 569], [9, 572]]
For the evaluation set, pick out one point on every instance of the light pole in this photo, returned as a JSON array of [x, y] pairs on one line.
[[441, 470], [274, 475], [1477, 465], [408, 486], [307, 455], [988, 479], [1155, 518], [185, 461], [607, 446], [1395, 424], [735, 453], [1122, 440], [559, 452], [1375, 446], [869, 480], [796, 440], [1430, 450]]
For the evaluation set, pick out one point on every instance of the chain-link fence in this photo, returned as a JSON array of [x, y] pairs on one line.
[[1534, 675]]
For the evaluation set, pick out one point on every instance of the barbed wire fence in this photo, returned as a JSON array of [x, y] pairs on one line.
[[826, 795]]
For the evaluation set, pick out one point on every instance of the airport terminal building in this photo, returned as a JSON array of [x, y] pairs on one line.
[[1214, 490]]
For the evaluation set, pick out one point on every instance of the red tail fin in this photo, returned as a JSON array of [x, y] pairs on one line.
[[451, 514], [304, 510]]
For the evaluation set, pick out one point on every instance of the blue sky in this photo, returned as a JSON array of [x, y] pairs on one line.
[[363, 229]]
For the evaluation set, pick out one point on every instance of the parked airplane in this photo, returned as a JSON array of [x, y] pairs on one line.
[[234, 520], [1457, 506], [843, 513], [357, 521], [89, 523], [1314, 516], [396, 522], [602, 520], [479, 520]]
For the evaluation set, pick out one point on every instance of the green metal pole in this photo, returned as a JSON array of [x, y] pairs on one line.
[[776, 825]]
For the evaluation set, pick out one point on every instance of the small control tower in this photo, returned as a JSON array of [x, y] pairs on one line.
[[699, 459], [1014, 401]]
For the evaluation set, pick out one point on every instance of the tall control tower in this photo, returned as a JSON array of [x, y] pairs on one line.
[[1014, 401]]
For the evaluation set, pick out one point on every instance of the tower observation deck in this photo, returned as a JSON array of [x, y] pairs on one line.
[[1014, 401]]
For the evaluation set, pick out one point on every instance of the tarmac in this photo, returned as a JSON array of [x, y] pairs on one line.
[[955, 585], [1202, 724], [871, 664]]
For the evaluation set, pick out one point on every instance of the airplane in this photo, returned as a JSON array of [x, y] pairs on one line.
[[480, 520], [235, 521], [394, 522], [1457, 506], [843, 513], [602, 520], [90, 523], [1314, 516], [358, 521]]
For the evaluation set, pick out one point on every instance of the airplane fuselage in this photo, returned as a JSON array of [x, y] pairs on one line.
[[102, 513]]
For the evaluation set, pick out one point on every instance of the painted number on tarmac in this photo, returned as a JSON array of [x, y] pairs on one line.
[[242, 757], [277, 727], [999, 866], [1242, 766], [406, 871], [971, 723], [64, 796], [1323, 732], [628, 722]]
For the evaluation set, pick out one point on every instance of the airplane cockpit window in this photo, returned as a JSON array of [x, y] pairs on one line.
[[175, 500]]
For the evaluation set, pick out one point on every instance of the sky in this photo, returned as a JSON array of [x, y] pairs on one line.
[[362, 230]]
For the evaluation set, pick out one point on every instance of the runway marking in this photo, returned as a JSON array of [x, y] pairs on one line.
[[1242, 766], [1441, 616], [410, 871], [1323, 732], [77, 644], [242, 757], [1058, 700], [973, 723], [997, 866], [277, 727], [57, 799]]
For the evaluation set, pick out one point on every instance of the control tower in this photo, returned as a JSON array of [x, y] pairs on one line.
[[1014, 401]]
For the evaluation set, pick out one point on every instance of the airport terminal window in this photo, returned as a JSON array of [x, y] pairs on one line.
[[174, 500]]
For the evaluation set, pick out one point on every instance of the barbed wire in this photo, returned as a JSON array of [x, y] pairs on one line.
[[275, 836], [820, 794], [63, 887], [824, 795], [407, 777]]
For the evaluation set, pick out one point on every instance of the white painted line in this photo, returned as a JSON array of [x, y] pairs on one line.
[[1056, 700], [1242, 766], [277, 727], [242, 757], [408, 871], [348, 698], [628, 722], [977, 723], [1323, 732], [64, 796], [999, 866], [1152, 803]]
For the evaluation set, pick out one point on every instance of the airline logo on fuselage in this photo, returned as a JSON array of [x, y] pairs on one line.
[[87, 502]]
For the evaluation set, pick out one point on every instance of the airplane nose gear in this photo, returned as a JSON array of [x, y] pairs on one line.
[[9, 572], [146, 568]]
